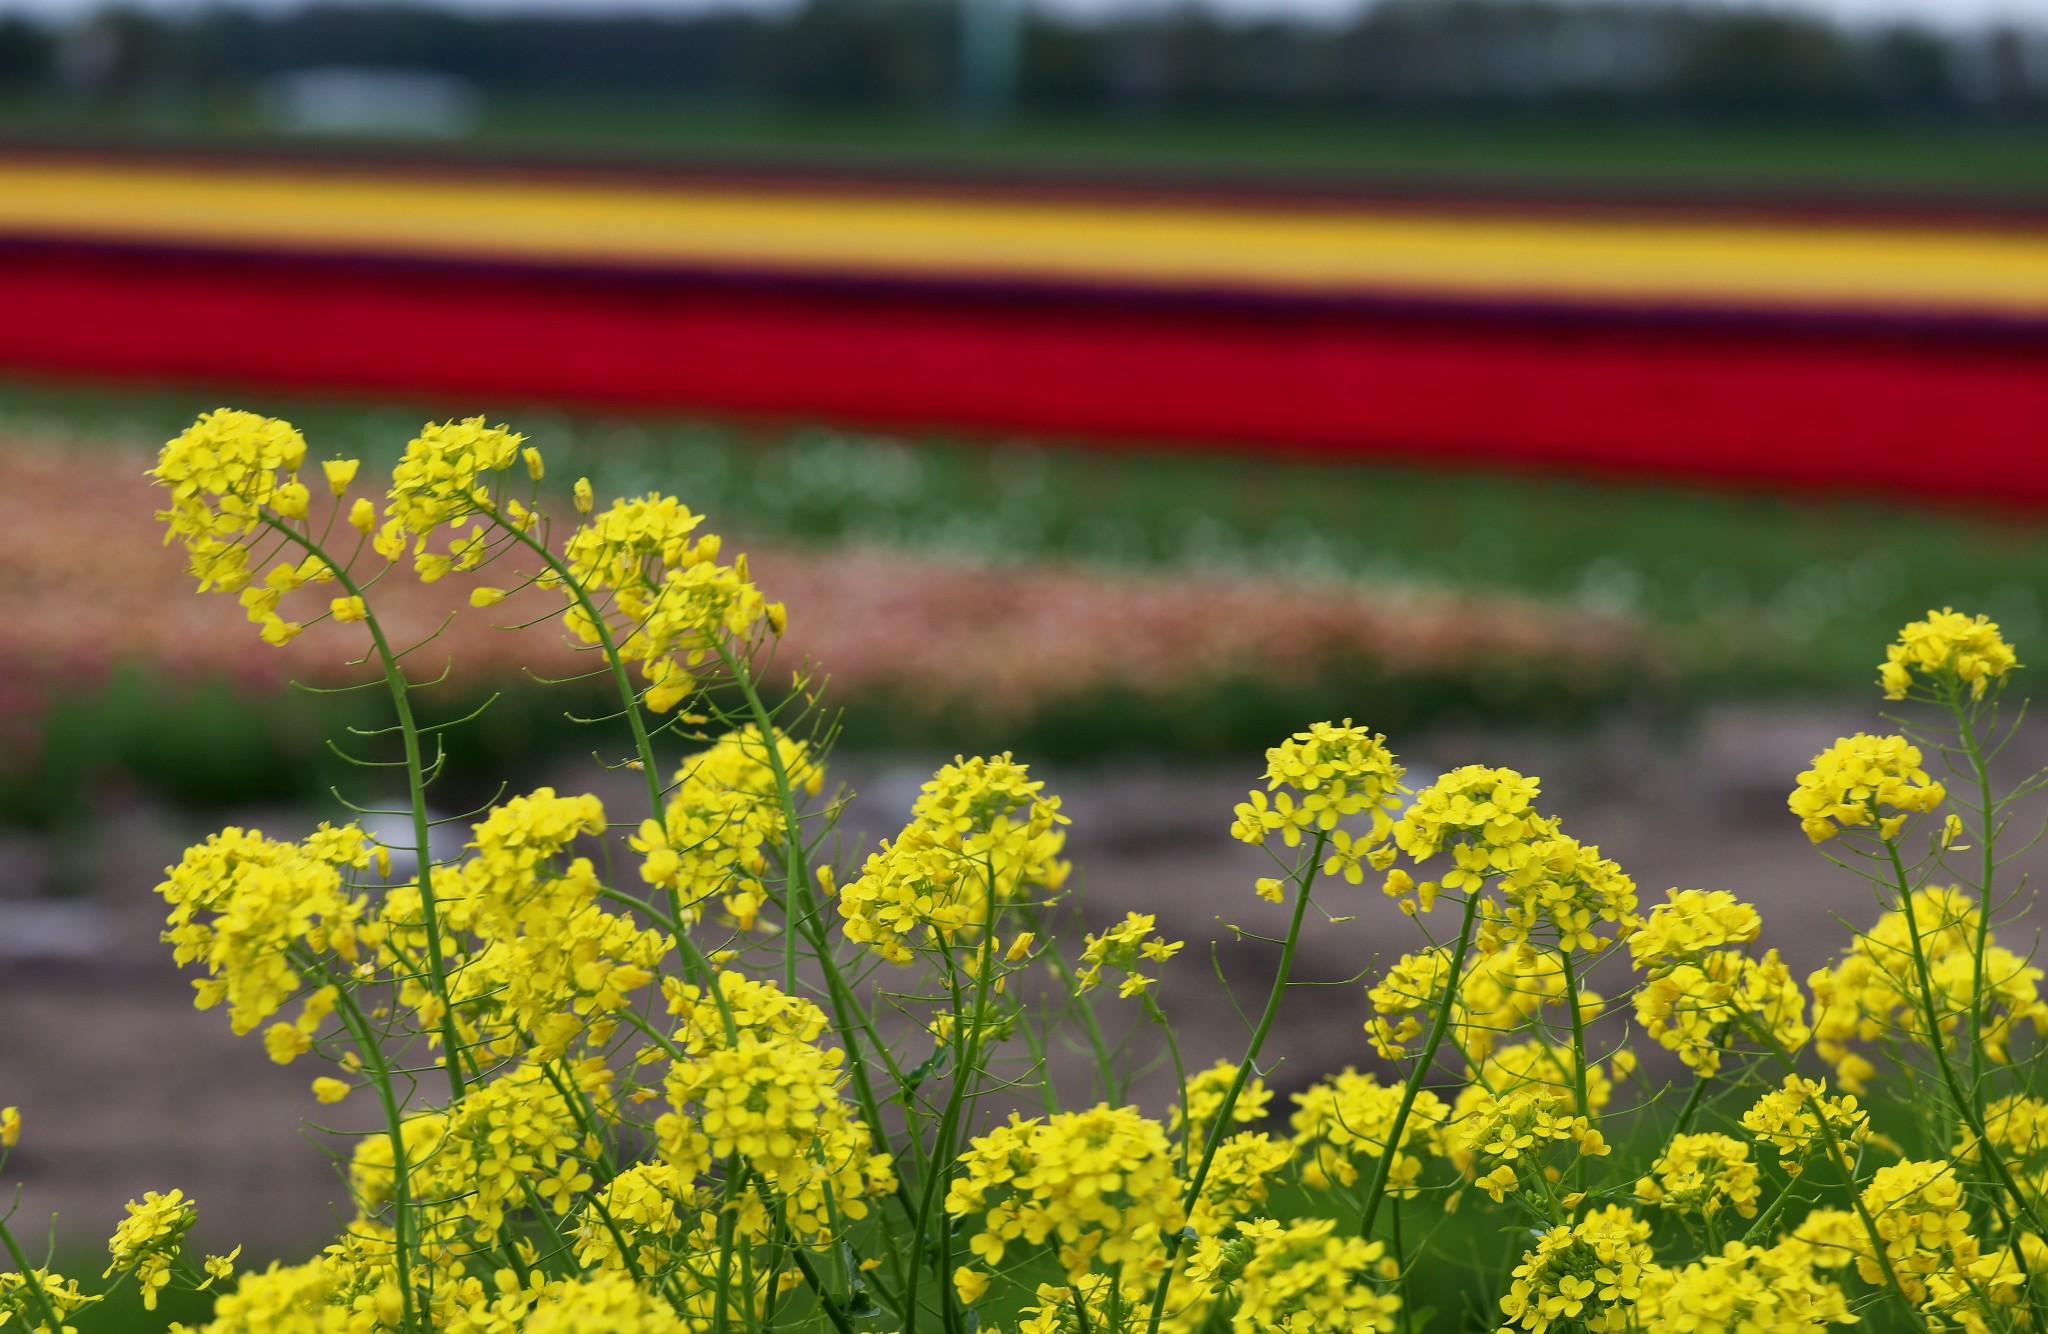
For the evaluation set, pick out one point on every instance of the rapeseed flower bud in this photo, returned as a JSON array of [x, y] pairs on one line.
[[10, 1127], [1948, 649], [340, 472], [1854, 779]]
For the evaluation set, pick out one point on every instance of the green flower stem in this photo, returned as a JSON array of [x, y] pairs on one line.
[[853, 1019], [1304, 879], [942, 1160], [1694, 1099], [33, 1283], [1966, 1107], [1439, 1027], [379, 1069], [1584, 1099], [1980, 770], [1839, 1159], [1180, 1070], [416, 788]]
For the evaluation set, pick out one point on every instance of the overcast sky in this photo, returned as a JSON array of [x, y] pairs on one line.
[[1940, 13]]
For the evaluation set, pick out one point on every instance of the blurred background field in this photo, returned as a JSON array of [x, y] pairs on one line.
[[1634, 549]]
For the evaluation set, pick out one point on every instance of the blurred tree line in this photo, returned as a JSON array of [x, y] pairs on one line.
[[907, 55]]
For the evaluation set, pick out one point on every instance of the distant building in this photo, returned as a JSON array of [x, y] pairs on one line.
[[346, 99]]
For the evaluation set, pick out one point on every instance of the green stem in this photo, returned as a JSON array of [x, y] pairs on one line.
[[1439, 1027], [1839, 1159], [34, 1283], [1980, 769], [416, 788], [942, 1161], [1304, 881], [402, 1209], [1579, 1091], [1966, 1107]]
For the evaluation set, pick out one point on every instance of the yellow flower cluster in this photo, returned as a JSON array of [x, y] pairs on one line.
[[1873, 993], [474, 1164], [643, 1217], [607, 1303], [1499, 991], [1241, 1177], [723, 815], [1919, 1209], [981, 833], [1586, 1275], [1702, 1174], [1799, 1119], [664, 598], [1501, 1137], [1948, 648], [19, 1304], [1542, 1061], [1485, 819], [1698, 1009], [1205, 1092], [752, 1078], [148, 1240], [1126, 947], [222, 471], [1299, 1279], [545, 960], [1486, 812], [1342, 1124], [1691, 922], [444, 480], [1751, 1289], [1566, 888], [252, 908], [1852, 781], [1098, 1185], [1331, 772]]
